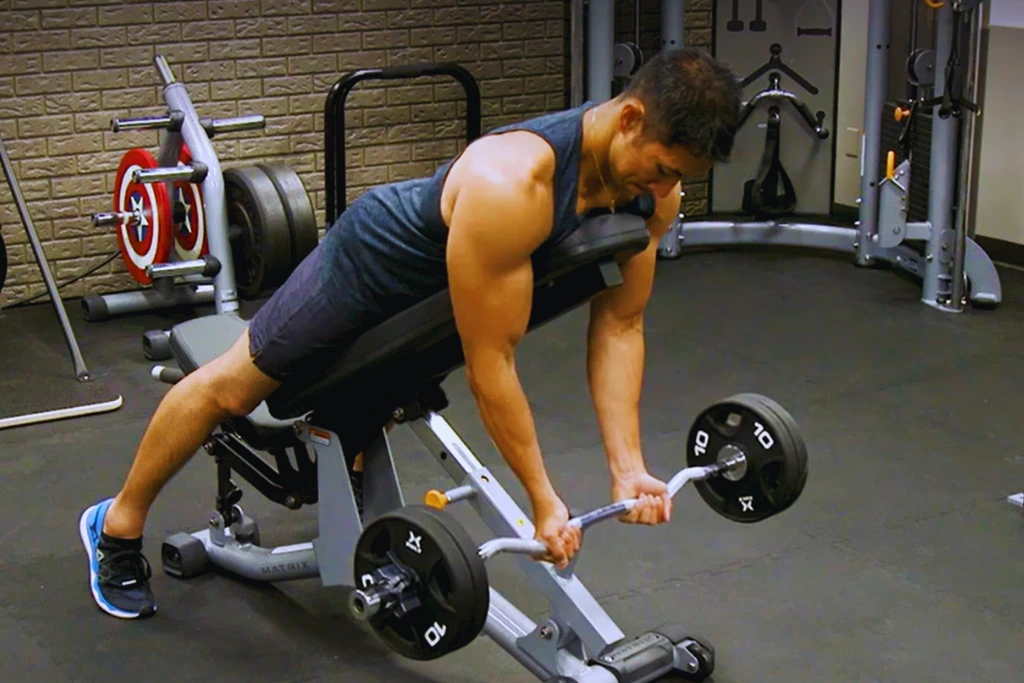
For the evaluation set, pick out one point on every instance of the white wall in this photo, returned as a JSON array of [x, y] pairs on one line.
[[1009, 13], [998, 195], [850, 113]]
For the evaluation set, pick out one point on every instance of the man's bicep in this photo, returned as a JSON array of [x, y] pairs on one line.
[[491, 295]]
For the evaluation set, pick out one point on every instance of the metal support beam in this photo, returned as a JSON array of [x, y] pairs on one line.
[[939, 255], [874, 103], [600, 49], [672, 24]]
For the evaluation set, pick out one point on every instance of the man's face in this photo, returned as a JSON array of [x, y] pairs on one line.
[[643, 165]]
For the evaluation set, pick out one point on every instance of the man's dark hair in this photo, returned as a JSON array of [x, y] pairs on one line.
[[692, 100]]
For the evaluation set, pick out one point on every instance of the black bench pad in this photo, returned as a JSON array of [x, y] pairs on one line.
[[389, 363], [196, 342]]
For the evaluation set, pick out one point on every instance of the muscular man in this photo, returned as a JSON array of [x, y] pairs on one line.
[[472, 227]]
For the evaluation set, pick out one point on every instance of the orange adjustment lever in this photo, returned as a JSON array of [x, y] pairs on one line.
[[900, 114], [890, 165], [439, 500], [436, 499]]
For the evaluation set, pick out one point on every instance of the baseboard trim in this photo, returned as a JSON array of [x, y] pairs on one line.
[[1002, 251]]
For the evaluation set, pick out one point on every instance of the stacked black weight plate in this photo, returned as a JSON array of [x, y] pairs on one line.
[[792, 433], [262, 243], [451, 580], [301, 218], [920, 163], [773, 477], [272, 224], [471, 552]]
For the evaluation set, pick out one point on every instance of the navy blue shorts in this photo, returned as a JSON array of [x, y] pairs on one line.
[[302, 326]]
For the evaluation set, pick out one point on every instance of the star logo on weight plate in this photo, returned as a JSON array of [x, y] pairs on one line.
[[415, 543], [186, 225], [139, 211]]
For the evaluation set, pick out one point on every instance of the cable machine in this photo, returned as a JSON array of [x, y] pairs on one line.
[[951, 267]]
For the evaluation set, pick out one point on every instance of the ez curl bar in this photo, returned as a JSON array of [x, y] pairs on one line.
[[733, 463], [421, 582], [369, 602]]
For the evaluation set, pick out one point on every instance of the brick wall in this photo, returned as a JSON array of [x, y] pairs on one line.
[[67, 67]]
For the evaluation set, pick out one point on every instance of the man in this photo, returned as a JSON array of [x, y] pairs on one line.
[[472, 227]]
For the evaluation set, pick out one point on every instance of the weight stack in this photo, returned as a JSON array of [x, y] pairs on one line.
[[921, 157], [808, 33]]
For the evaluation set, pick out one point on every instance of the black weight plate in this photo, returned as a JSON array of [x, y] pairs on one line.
[[457, 548], [262, 252], [798, 449], [479, 606], [481, 585], [448, 589], [793, 474], [301, 218], [798, 439], [770, 478], [785, 480]]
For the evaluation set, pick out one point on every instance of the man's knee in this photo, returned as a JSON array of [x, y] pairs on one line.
[[233, 383]]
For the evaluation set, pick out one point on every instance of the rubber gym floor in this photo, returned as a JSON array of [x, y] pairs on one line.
[[901, 562]]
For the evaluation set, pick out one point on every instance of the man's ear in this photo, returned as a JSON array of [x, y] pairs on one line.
[[631, 116]]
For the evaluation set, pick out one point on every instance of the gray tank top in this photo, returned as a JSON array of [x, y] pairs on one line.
[[387, 250]]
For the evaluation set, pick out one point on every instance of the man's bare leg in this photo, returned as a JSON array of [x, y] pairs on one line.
[[187, 415]]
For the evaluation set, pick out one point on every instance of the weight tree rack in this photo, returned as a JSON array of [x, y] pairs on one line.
[[193, 232], [210, 279]]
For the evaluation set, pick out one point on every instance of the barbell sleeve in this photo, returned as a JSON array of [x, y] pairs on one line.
[[238, 123], [364, 604], [111, 219], [208, 266], [171, 122], [196, 173]]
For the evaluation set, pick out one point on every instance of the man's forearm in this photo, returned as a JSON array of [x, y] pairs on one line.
[[615, 365], [508, 419]]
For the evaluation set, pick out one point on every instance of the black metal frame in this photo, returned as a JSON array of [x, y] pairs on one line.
[[334, 120], [283, 483]]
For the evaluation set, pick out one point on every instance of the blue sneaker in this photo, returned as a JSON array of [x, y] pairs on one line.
[[118, 572]]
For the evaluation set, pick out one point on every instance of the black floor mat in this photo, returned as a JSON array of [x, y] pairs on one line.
[[902, 561], [37, 377]]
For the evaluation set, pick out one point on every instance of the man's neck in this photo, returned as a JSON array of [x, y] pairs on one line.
[[596, 186]]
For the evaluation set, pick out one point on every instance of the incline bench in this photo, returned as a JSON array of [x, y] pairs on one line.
[[296, 449]]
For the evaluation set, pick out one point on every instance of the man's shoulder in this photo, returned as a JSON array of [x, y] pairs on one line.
[[515, 155]]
